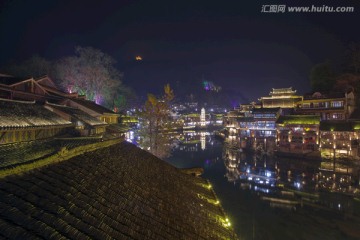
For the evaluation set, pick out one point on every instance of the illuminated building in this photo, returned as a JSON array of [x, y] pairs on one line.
[[239, 121], [339, 139], [329, 107], [297, 133], [264, 122], [202, 117], [281, 97]]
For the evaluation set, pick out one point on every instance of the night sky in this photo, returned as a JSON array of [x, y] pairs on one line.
[[230, 43]]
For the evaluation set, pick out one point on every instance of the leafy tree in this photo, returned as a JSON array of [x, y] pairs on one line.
[[121, 98], [354, 58], [350, 78], [322, 78], [35, 66], [155, 120], [91, 73]]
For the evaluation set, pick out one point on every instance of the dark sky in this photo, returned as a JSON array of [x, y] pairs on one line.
[[230, 43]]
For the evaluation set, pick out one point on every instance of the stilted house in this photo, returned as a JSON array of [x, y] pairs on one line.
[[298, 133], [336, 106]]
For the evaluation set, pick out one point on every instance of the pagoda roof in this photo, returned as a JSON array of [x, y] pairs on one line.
[[20, 114], [282, 91]]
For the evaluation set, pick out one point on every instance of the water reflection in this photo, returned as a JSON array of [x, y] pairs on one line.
[[292, 183], [274, 198]]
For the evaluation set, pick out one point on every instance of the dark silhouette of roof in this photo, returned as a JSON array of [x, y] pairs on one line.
[[119, 192]]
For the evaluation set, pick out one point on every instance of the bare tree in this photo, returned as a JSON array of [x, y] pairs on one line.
[[91, 73]]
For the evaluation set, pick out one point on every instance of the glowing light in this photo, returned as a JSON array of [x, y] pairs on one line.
[[138, 58]]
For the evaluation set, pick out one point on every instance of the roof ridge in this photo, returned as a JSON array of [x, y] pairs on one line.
[[18, 101]]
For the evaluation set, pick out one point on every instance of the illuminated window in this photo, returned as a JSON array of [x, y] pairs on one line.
[[337, 104], [337, 116], [306, 105]]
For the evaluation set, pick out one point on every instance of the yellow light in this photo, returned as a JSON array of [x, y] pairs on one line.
[[138, 58]]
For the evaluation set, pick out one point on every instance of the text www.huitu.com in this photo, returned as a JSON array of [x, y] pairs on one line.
[[306, 9]]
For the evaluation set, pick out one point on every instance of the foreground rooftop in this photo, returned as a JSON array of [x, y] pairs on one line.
[[118, 192]]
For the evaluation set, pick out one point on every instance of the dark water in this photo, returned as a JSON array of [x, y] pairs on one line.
[[270, 198]]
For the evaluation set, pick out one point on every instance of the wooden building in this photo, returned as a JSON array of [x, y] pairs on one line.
[[101, 113], [339, 139], [27, 121], [85, 124], [264, 122], [297, 133], [337, 106], [88, 117], [281, 97]]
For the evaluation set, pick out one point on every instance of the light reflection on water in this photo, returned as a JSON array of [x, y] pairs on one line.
[[273, 198]]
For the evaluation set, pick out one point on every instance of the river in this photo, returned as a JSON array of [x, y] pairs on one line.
[[267, 197]]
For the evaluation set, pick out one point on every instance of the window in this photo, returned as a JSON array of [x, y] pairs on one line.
[[337, 116], [306, 105], [337, 104]]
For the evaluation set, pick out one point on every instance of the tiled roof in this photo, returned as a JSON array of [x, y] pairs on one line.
[[299, 119], [15, 114], [265, 110], [340, 126], [120, 192], [92, 106], [77, 114]]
